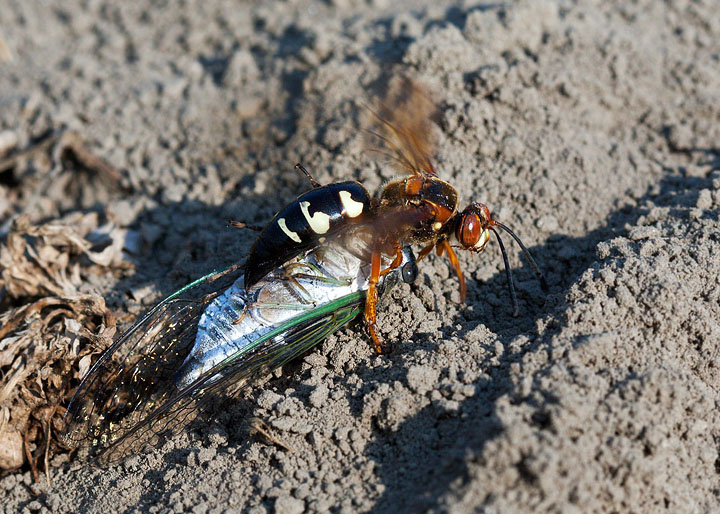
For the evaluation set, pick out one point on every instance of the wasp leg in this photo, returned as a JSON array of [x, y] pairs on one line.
[[305, 172], [423, 253], [372, 300], [372, 294], [240, 224], [395, 263], [444, 246]]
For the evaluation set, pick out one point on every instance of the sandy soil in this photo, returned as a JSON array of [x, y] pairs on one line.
[[591, 128]]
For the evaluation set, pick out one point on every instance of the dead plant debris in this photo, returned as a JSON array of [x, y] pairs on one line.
[[50, 329]]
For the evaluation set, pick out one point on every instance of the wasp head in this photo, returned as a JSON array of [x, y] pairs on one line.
[[473, 227], [472, 230]]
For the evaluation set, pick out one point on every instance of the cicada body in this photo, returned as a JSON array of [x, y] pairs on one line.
[[212, 337]]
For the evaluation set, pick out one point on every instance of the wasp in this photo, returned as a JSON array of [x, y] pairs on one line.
[[418, 209]]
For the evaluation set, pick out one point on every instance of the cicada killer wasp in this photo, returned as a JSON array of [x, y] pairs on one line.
[[418, 209]]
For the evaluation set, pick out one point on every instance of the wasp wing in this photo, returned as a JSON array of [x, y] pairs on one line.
[[402, 126]]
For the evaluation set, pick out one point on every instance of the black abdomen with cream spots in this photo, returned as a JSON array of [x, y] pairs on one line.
[[306, 222]]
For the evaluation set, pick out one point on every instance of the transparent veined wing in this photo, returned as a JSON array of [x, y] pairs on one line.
[[134, 374], [140, 390]]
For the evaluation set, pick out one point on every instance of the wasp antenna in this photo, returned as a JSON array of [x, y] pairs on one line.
[[508, 274], [526, 253]]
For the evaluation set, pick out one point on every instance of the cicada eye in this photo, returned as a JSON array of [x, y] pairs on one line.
[[469, 230]]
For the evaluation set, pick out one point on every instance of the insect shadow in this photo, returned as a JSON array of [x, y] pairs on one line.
[[438, 459], [429, 453]]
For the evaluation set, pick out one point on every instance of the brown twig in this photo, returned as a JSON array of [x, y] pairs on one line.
[[23, 314], [66, 145], [258, 426], [28, 454], [70, 142], [47, 443]]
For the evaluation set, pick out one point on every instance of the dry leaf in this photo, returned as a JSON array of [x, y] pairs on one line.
[[41, 362], [52, 259]]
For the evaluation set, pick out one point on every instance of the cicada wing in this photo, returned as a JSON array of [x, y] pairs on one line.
[[294, 338], [120, 420], [269, 352], [134, 376]]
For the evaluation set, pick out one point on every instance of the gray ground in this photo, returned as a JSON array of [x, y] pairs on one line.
[[592, 129]]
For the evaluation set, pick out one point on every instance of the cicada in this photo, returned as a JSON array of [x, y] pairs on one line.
[[214, 336]]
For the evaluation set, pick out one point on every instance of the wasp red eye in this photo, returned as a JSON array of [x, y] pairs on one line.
[[469, 230]]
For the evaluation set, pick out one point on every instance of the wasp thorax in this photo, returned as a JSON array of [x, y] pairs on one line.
[[418, 209], [472, 230]]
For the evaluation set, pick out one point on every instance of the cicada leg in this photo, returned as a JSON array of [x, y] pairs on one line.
[[299, 287], [258, 228], [315, 183], [242, 316], [294, 277], [346, 281], [240, 224], [316, 274]]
